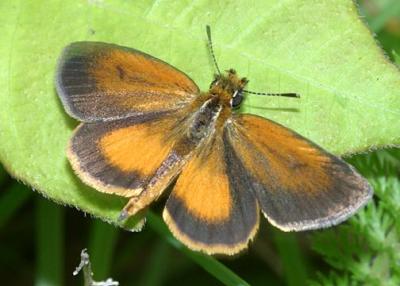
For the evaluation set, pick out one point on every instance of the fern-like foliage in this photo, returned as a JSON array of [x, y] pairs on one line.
[[366, 250]]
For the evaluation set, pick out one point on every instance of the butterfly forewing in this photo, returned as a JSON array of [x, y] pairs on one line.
[[101, 82], [299, 186]]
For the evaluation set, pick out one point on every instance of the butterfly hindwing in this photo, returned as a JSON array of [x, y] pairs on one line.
[[101, 82], [120, 156], [211, 208], [299, 186]]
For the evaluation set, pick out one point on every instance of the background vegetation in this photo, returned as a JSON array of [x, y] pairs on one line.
[[41, 241]]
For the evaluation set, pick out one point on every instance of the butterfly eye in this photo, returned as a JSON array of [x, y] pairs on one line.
[[237, 98]]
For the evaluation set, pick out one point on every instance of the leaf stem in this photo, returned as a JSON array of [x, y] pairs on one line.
[[293, 262], [49, 243], [102, 240]]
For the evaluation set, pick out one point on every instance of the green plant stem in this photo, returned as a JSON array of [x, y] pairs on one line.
[[155, 268], [293, 262], [49, 243], [208, 263], [12, 200], [102, 240]]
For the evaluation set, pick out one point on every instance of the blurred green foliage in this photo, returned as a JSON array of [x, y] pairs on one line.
[[366, 251]]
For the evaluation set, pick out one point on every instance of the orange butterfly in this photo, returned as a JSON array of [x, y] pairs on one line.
[[146, 124]]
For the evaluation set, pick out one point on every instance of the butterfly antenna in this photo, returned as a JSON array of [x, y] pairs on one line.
[[295, 95], [210, 46]]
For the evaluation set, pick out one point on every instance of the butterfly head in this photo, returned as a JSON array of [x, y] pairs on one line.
[[229, 84]]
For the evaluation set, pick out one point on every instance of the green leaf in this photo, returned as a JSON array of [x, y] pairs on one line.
[[320, 49]]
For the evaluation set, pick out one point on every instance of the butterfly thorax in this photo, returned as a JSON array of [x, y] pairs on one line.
[[203, 121], [213, 108]]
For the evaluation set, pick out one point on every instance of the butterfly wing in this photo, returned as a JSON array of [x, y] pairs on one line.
[[298, 185], [101, 82], [211, 208], [121, 156]]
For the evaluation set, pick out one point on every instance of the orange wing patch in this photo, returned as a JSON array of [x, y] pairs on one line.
[[298, 185], [155, 84], [293, 162], [120, 157], [101, 82], [138, 148], [203, 188]]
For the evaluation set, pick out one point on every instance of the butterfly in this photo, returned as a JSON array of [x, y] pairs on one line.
[[146, 126]]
